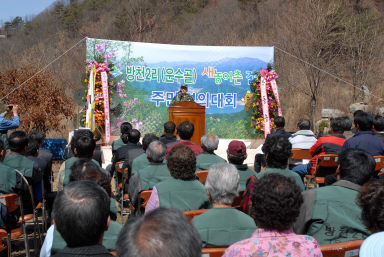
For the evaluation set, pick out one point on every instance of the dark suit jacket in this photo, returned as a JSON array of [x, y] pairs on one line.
[[127, 153], [379, 135], [46, 156], [93, 250]]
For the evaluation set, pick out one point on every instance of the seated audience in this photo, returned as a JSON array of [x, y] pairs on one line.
[[327, 144], [129, 151], [279, 131], [222, 186], [304, 138], [185, 132], [168, 138], [38, 164], [277, 152], [330, 214], [378, 127], [81, 215], [84, 169], [364, 139], [371, 201], [183, 191], [209, 143], [236, 155], [154, 173], [163, 232], [141, 161], [276, 205], [84, 147], [125, 128]]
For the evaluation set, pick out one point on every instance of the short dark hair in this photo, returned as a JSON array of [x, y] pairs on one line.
[[277, 150], [134, 136], [33, 147], [81, 213], [347, 123], [169, 127], [304, 124], [85, 146], [163, 232], [276, 201], [237, 160], [80, 133], [17, 141], [147, 139], [279, 122], [37, 136], [371, 201], [378, 122], [356, 166], [85, 169], [364, 121], [185, 130], [338, 125], [358, 112], [181, 162], [125, 127]]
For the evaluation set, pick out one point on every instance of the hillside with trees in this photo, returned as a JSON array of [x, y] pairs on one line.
[[325, 51]]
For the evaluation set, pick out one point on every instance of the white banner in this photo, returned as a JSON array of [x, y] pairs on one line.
[[276, 93], [104, 82], [264, 102]]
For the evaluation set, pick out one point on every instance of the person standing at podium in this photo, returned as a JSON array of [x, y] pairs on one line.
[[182, 96]]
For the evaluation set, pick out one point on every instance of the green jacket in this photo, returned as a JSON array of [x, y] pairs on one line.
[[153, 174], [284, 172], [183, 195], [7, 179], [109, 239], [244, 173], [330, 214], [139, 163], [221, 227], [21, 163], [178, 98], [64, 176], [205, 160]]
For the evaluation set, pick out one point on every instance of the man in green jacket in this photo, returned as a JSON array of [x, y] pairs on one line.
[[124, 129], [209, 143], [182, 96], [330, 214], [236, 154]]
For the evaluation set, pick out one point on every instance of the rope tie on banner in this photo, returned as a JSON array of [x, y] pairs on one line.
[[326, 72], [44, 68]]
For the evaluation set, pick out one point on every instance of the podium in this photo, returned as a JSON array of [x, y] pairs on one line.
[[192, 112]]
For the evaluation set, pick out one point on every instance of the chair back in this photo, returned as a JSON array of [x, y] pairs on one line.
[[300, 154], [350, 249], [379, 159], [11, 201], [145, 195], [202, 175], [191, 214], [326, 164], [119, 166], [212, 252]]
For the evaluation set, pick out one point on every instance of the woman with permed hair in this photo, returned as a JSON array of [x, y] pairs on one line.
[[276, 202]]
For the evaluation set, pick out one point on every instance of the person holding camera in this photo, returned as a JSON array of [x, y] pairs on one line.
[[6, 125]]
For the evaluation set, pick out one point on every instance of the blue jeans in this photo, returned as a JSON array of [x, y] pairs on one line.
[[302, 170]]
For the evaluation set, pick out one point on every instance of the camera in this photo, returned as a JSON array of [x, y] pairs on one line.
[[10, 107]]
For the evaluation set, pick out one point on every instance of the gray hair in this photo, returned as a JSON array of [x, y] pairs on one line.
[[209, 142], [156, 151], [223, 183]]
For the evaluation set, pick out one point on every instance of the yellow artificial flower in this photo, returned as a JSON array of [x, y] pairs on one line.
[[85, 80]]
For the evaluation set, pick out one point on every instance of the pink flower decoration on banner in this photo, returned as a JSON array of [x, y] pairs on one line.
[[268, 75]]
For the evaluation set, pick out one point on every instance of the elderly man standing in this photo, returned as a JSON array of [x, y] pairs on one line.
[[222, 187], [154, 173], [209, 144], [236, 154]]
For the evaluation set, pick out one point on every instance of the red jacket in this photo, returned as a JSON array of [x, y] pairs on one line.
[[196, 149], [329, 144]]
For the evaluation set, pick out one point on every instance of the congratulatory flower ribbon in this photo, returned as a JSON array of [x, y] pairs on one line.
[[90, 114], [104, 82], [264, 101], [276, 93]]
